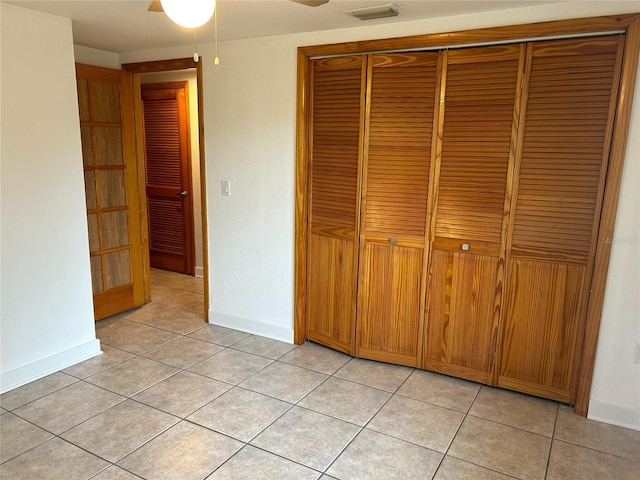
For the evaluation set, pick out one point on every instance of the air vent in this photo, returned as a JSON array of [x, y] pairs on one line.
[[371, 13]]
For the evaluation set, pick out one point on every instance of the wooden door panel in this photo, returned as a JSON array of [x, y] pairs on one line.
[[111, 191], [460, 338], [389, 309], [399, 131], [168, 173], [567, 123], [336, 151], [331, 310], [539, 344], [482, 88]]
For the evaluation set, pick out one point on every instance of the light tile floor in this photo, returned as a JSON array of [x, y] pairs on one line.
[[175, 398]]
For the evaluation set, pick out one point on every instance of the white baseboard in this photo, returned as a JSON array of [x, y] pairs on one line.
[[251, 326], [41, 368], [199, 272], [614, 414]]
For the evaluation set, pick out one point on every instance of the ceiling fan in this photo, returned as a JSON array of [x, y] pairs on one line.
[[156, 5]]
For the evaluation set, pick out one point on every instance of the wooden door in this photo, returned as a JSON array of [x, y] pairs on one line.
[[336, 149], [567, 125], [482, 90], [168, 176], [108, 152], [402, 97]]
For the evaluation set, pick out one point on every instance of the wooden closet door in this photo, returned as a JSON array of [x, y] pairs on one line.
[[570, 107], [167, 152], [338, 86], [481, 96], [402, 99]]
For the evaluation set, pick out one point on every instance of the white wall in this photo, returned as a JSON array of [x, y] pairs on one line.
[[615, 395], [250, 140], [191, 77], [46, 317], [98, 58]]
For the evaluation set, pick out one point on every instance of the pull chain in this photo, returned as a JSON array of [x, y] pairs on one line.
[[216, 61], [196, 57]]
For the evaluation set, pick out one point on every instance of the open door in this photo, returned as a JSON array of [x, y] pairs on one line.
[[113, 211]]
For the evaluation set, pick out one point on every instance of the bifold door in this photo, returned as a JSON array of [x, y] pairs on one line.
[[336, 129], [455, 207]]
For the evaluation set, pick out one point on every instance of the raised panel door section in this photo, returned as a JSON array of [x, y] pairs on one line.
[[336, 122], [572, 90], [481, 95], [399, 129]]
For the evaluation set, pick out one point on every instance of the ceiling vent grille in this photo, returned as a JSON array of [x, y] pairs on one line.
[[371, 13]]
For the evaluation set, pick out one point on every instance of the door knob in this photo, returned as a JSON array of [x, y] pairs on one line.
[[182, 194]]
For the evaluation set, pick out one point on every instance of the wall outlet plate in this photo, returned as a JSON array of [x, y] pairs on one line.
[[636, 358]]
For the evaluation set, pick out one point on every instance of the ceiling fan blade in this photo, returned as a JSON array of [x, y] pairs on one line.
[[311, 3], [155, 6]]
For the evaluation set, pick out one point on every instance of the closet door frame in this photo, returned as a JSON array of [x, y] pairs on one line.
[[629, 24]]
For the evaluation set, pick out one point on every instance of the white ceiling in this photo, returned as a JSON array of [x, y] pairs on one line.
[[121, 26]]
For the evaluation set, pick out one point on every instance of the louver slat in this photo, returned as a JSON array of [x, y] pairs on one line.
[[337, 88], [399, 150], [567, 115], [162, 142], [475, 149]]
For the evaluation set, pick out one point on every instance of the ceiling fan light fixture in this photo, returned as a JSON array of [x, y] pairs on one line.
[[189, 13], [371, 13]]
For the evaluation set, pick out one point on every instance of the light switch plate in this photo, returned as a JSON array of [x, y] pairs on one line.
[[226, 188]]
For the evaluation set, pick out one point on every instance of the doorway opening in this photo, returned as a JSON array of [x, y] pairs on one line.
[[173, 191]]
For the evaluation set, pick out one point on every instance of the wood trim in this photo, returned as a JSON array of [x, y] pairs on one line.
[[497, 34], [140, 177], [535, 389], [459, 371], [203, 188], [167, 66], [161, 65], [608, 216], [521, 105], [120, 299], [302, 199], [474, 247]]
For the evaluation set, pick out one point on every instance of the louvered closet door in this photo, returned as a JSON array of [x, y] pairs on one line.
[[168, 172], [336, 129], [569, 117], [482, 89], [395, 191]]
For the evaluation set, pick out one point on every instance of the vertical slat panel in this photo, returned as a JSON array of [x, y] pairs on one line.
[[331, 264], [389, 312], [543, 302]]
